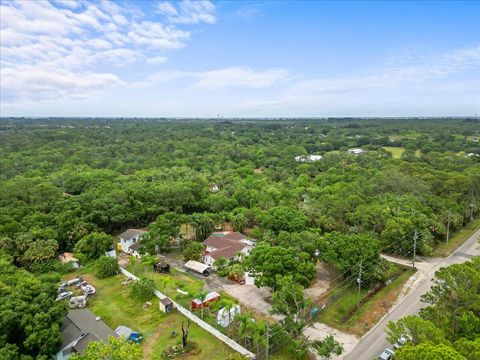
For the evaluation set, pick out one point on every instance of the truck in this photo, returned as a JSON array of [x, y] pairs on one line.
[[198, 267]]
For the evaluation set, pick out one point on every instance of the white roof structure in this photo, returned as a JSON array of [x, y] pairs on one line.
[[308, 158], [124, 331], [356, 151], [196, 266]]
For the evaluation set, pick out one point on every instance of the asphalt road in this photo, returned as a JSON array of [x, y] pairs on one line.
[[374, 342]]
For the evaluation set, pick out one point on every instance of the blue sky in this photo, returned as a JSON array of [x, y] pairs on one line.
[[239, 58]]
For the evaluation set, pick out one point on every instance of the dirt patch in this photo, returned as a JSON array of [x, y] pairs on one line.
[[318, 331], [252, 297], [323, 277]]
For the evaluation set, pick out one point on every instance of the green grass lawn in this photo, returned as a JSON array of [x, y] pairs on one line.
[[114, 305], [169, 283], [457, 239], [396, 151], [370, 312]]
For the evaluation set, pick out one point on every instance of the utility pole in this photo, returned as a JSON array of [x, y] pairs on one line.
[[448, 226], [359, 281], [268, 342], [415, 237]]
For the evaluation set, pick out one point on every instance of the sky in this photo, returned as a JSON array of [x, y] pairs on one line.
[[239, 58]]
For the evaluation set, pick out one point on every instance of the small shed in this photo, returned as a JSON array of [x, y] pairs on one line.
[[225, 316], [166, 305]]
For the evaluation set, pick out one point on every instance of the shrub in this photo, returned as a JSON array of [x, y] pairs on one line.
[[143, 289], [106, 266]]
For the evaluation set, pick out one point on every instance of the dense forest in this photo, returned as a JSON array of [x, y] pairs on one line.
[[68, 184]]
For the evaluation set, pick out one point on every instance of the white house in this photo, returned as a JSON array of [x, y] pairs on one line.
[[226, 244], [356, 151], [308, 158], [130, 241]]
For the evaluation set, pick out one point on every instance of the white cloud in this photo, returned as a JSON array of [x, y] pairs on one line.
[[417, 73], [156, 60], [189, 12], [166, 8], [220, 78], [67, 38], [239, 77]]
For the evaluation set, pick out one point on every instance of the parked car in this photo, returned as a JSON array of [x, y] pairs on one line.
[[88, 289], [387, 354], [74, 281], [78, 301], [80, 284], [64, 295], [62, 289], [402, 340], [161, 267]]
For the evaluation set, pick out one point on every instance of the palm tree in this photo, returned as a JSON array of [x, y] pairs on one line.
[[235, 271], [202, 296]]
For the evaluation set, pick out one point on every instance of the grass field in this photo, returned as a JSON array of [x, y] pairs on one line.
[[370, 312], [169, 283], [115, 306], [396, 151], [457, 239]]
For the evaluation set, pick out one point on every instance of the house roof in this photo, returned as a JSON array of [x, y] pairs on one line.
[[226, 244], [166, 301], [67, 257], [131, 233], [83, 321], [135, 246], [227, 252]]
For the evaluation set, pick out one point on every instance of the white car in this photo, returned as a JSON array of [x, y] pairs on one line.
[[64, 295], [88, 290], [387, 354], [402, 340]]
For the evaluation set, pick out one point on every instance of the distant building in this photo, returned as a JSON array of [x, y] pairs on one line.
[[67, 257], [130, 241], [308, 158], [226, 244], [356, 151], [79, 328]]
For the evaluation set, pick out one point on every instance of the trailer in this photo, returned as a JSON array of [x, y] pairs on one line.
[[209, 298], [198, 267]]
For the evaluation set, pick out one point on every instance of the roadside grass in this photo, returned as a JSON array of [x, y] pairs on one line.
[[457, 239], [370, 312], [114, 305], [396, 151]]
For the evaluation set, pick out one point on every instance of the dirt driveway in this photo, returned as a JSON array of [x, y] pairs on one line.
[[318, 331], [253, 298]]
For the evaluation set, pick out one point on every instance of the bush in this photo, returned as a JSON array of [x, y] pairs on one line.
[[105, 267], [143, 289]]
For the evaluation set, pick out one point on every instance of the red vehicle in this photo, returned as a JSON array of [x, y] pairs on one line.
[[210, 297]]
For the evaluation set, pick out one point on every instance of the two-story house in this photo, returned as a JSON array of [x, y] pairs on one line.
[[130, 241]]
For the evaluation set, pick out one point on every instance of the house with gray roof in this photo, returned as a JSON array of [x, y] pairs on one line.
[[130, 241], [79, 328]]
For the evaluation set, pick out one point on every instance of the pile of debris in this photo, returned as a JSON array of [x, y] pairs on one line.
[[75, 301]]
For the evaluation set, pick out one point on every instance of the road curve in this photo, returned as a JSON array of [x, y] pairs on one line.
[[373, 343]]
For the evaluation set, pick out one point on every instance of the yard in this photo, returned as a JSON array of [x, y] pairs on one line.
[[114, 305], [341, 313], [396, 151]]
